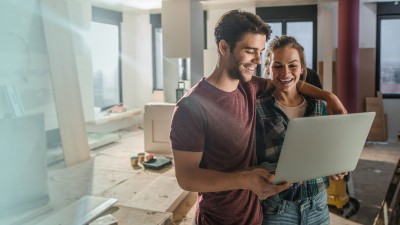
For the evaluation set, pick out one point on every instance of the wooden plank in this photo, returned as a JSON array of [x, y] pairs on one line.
[[111, 117], [132, 216], [163, 195], [60, 47], [389, 214]]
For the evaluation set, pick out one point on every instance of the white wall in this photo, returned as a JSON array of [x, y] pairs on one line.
[[213, 15], [137, 67], [325, 50], [367, 24]]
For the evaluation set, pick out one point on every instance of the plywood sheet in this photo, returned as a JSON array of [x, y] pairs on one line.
[[163, 195], [132, 216]]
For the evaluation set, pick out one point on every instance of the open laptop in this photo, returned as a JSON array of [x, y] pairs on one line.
[[23, 173], [322, 146]]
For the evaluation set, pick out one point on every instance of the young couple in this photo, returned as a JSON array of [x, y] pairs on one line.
[[213, 130]]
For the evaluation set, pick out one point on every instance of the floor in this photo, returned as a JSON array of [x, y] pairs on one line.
[[369, 181]]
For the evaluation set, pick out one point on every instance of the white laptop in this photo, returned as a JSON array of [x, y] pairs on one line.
[[322, 146]]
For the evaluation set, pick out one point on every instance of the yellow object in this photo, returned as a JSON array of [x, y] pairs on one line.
[[134, 160], [337, 195]]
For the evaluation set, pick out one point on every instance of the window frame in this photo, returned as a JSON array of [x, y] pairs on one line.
[[285, 14], [385, 10], [155, 21], [106, 16]]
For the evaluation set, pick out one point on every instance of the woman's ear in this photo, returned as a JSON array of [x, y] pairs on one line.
[[267, 73]]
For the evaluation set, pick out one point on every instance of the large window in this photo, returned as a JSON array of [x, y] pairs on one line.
[[106, 61], [297, 21], [388, 50]]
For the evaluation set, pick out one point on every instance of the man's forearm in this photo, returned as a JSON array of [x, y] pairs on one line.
[[204, 180], [333, 103], [312, 91]]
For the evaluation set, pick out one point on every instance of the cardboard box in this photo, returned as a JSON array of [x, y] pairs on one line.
[[378, 130]]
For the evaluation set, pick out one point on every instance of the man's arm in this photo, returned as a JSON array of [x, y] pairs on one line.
[[193, 178], [334, 105]]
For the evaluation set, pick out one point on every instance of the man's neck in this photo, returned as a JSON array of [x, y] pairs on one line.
[[221, 80]]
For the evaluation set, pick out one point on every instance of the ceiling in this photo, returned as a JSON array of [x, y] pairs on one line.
[[155, 5]]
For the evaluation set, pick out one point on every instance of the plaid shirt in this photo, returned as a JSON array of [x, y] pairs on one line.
[[271, 129]]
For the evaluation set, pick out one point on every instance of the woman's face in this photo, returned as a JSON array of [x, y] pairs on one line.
[[285, 68]]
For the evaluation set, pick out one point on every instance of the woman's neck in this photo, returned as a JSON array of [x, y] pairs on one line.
[[288, 98]]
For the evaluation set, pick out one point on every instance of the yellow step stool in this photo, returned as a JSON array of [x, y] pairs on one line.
[[337, 195]]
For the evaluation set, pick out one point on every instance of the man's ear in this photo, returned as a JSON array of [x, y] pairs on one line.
[[223, 47]]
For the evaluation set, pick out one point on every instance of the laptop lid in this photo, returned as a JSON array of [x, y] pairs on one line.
[[322, 146], [23, 171]]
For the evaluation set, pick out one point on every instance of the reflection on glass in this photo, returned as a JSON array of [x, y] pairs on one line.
[[30, 143], [303, 32], [390, 57], [105, 60]]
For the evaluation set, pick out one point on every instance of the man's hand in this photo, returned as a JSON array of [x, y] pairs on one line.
[[260, 181], [334, 105]]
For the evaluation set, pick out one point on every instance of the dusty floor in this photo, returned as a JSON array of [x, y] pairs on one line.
[[369, 181]]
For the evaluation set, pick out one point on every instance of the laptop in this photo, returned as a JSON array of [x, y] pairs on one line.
[[23, 171], [322, 146]]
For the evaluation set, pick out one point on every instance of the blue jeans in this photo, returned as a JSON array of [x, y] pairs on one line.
[[311, 211]]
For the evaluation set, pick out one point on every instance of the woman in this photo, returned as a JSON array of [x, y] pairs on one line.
[[306, 202]]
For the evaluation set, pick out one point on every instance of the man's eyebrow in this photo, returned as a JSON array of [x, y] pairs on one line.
[[295, 60], [254, 48]]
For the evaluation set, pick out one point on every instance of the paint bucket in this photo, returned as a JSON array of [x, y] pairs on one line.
[[140, 157], [134, 160]]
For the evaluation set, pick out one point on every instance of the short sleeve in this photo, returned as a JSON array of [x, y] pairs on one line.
[[188, 128]]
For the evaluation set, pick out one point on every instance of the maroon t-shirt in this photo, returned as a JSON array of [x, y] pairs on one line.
[[222, 126]]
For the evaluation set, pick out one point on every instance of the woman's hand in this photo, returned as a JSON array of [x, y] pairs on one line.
[[339, 176]]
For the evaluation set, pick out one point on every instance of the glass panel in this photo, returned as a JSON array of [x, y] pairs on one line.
[[390, 57], [303, 32], [159, 60], [276, 31], [30, 144], [104, 40]]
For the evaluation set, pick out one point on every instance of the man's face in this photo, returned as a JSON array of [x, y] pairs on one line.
[[246, 56]]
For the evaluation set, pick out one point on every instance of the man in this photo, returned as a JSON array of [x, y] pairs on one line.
[[213, 128], [313, 78]]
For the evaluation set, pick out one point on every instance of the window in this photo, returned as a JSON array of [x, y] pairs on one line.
[[388, 50], [297, 21], [106, 60]]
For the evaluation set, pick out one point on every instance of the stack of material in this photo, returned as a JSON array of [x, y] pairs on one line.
[[379, 126]]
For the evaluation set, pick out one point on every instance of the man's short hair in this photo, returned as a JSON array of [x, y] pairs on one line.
[[234, 24]]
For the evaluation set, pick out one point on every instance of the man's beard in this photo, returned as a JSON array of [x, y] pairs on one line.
[[234, 72]]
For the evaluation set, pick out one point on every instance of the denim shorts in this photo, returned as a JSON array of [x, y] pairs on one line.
[[310, 211]]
